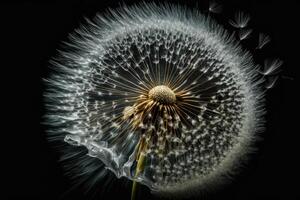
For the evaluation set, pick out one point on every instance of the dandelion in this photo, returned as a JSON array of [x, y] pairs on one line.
[[161, 95]]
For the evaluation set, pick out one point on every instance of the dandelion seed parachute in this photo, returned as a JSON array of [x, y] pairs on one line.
[[160, 94]]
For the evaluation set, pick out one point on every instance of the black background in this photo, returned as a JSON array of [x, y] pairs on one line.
[[32, 31]]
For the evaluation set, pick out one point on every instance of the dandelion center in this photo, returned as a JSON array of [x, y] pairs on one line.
[[162, 94]]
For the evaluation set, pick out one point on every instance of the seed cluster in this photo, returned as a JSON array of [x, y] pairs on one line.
[[161, 103], [187, 127]]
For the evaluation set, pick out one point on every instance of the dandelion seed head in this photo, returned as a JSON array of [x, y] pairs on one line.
[[162, 82]]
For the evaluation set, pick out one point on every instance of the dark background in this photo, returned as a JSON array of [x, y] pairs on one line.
[[33, 30]]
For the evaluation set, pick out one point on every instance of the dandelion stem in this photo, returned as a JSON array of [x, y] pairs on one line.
[[140, 165]]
